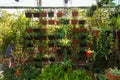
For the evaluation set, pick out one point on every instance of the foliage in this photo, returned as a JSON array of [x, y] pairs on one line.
[[62, 71]]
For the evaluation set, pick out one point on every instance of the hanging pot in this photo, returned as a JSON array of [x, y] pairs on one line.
[[95, 33], [36, 14], [59, 14], [28, 14], [83, 29], [112, 76], [36, 30], [75, 41], [43, 22], [29, 30], [74, 13], [82, 21], [43, 14], [58, 22], [75, 30], [51, 22], [41, 49], [74, 22], [51, 14]]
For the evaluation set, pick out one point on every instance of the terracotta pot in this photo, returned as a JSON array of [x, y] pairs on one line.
[[95, 33], [51, 22], [74, 22], [112, 77], [75, 29], [75, 41], [43, 22], [59, 14], [74, 13], [83, 29], [29, 30], [43, 14], [58, 22], [28, 14], [36, 14], [51, 14]]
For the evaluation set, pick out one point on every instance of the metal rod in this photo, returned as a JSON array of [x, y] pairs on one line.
[[30, 7]]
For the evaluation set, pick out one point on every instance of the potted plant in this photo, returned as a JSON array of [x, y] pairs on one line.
[[75, 41], [75, 30], [95, 32], [113, 74]]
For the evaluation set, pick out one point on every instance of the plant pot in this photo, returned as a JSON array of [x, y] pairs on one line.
[[83, 29], [29, 30], [36, 14], [43, 22], [82, 21], [58, 22], [51, 22], [51, 14], [96, 33], [112, 77], [75, 41], [28, 14], [74, 13], [43, 14], [75, 30], [59, 14], [74, 22]]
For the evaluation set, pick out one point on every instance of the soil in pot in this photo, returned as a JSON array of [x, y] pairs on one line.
[[28, 14], [43, 22], [51, 22], [74, 22], [51, 14], [59, 14], [74, 13], [36, 14], [43, 14]]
